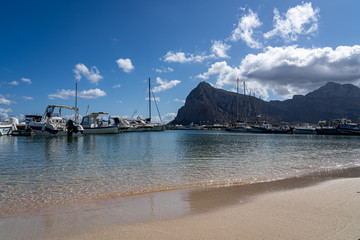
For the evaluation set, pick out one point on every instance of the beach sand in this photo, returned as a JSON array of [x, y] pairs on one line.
[[306, 208]]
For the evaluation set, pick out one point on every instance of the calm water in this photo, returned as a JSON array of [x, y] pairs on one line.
[[37, 172]]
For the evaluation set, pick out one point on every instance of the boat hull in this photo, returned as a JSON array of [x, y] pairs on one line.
[[102, 130], [46, 131]]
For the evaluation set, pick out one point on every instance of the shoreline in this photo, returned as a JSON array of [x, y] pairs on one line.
[[160, 207]]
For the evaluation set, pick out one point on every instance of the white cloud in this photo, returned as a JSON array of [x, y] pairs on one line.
[[164, 70], [116, 86], [179, 101], [182, 57], [164, 85], [4, 113], [219, 49], [86, 94], [165, 118], [125, 64], [245, 30], [225, 73], [152, 99], [93, 75], [27, 98], [299, 20], [4, 101], [14, 83], [290, 70], [26, 80]]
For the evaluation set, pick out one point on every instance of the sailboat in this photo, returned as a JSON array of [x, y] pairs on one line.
[[155, 126], [239, 126]]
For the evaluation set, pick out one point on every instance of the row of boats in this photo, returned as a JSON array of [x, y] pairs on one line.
[[52, 123], [336, 127]]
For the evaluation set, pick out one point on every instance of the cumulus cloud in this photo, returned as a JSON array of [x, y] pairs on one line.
[[116, 86], [125, 64], [245, 30], [164, 69], [4, 112], [182, 57], [26, 80], [4, 101], [93, 75], [165, 118], [225, 73], [14, 83], [165, 85], [299, 20], [220, 48], [27, 98], [303, 69], [86, 94], [290, 70], [152, 99]]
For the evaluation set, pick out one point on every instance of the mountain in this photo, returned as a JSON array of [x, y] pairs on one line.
[[211, 105]]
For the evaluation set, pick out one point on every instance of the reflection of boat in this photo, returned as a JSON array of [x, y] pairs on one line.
[[94, 124], [53, 124]]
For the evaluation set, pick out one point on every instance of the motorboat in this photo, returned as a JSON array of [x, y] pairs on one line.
[[7, 126], [54, 124], [305, 129], [123, 124], [95, 124]]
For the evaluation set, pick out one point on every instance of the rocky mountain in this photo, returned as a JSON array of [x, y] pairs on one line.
[[211, 105]]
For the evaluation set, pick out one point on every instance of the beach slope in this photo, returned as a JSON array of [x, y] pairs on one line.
[[328, 210]]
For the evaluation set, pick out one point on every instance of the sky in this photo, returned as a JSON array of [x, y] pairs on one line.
[[111, 49]]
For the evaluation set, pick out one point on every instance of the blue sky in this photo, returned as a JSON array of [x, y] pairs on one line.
[[110, 48]]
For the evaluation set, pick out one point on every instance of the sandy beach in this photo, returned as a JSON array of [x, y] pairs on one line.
[[304, 208]]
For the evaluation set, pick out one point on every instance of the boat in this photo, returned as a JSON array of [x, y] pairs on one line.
[[239, 127], [264, 128], [7, 126], [268, 128], [148, 124], [53, 124], [304, 129], [350, 129], [94, 124], [123, 124]]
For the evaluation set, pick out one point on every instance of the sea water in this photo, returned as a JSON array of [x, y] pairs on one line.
[[41, 172]]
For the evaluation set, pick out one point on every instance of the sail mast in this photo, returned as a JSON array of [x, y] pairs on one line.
[[237, 99], [149, 101]]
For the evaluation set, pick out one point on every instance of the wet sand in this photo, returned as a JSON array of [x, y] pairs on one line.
[[318, 206]]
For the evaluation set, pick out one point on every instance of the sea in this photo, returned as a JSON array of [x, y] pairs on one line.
[[43, 172]]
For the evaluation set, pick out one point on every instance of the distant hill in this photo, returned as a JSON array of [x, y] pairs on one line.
[[211, 105]]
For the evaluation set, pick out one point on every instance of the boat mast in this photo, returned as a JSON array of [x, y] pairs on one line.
[[76, 111], [149, 101], [237, 99]]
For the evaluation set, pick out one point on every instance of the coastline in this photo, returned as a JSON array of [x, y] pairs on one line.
[[286, 209]]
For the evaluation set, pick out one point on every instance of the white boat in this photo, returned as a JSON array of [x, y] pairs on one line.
[[53, 124], [304, 129], [7, 126], [94, 124]]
